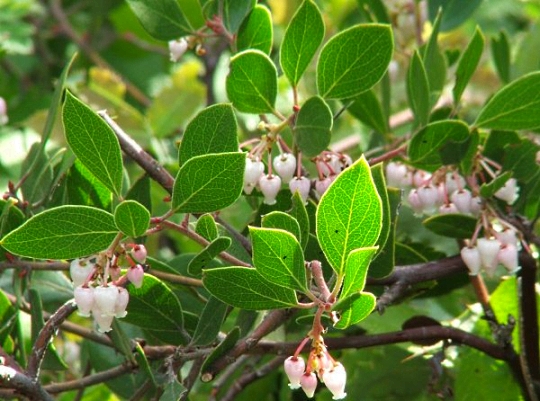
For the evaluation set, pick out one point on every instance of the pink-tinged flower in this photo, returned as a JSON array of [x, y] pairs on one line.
[[79, 270], [139, 253], [397, 175], [507, 236], [489, 249], [335, 380], [135, 275], [84, 298], [308, 382], [448, 208], [105, 300], [270, 186], [294, 368], [471, 258], [421, 178], [475, 206], [508, 257], [177, 48], [301, 185], [509, 192], [121, 303], [415, 202], [462, 200], [322, 185], [429, 196], [285, 165]]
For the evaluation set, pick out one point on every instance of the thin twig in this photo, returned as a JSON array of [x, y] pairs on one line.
[[23, 385]]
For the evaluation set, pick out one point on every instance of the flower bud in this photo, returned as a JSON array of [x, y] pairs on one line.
[[252, 173], [421, 178], [346, 161], [105, 299], [285, 165], [475, 207], [84, 298], [396, 175], [135, 275], [331, 165], [471, 258], [294, 368], [415, 202], [335, 380], [488, 248], [177, 48], [79, 270], [508, 257], [462, 199], [454, 182], [121, 303], [302, 185], [507, 236], [509, 192], [429, 196], [139, 253], [270, 186], [308, 382], [322, 185], [448, 208]]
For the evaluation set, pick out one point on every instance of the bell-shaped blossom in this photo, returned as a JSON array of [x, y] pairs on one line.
[[270, 186], [308, 382], [335, 380], [448, 208], [397, 175], [475, 206], [471, 258], [429, 197], [415, 202], [301, 185], [285, 165], [454, 182], [509, 192], [79, 270], [421, 178], [252, 173], [489, 249], [294, 369], [177, 48], [84, 298], [322, 185], [103, 322], [331, 165], [462, 199], [121, 303], [507, 236], [139, 253], [135, 275], [105, 300], [508, 257]]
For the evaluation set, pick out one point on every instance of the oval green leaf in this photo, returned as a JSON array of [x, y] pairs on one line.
[[278, 257], [302, 38], [256, 32], [418, 92], [64, 232], [209, 182], [162, 19], [367, 108], [452, 225], [213, 130], [93, 142], [354, 60], [467, 64], [356, 270], [247, 289], [207, 255], [132, 218], [313, 126], [349, 215], [252, 82], [155, 309], [354, 309], [283, 221], [514, 107]]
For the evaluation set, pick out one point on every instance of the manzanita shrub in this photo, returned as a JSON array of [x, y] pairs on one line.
[[242, 198]]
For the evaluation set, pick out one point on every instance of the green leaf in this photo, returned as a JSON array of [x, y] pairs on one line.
[[209, 253], [487, 190], [140, 192], [232, 12], [467, 64], [213, 130], [514, 107], [84, 189], [193, 12], [500, 51], [313, 126], [299, 212], [247, 289], [38, 174], [206, 227], [356, 269], [377, 172], [434, 63], [252, 82], [155, 309], [377, 10], [354, 60], [455, 12], [452, 225], [209, 182], [278, 257], [281, 220], [349, 215], [302, 38], [418, 92], [225, 346], [354, 309], [132, 218], [11, 216], [210, 322], [93, 142], [367, 108], [427, 146], [64, 232], [162, 19], [256, 32], [520, 158]]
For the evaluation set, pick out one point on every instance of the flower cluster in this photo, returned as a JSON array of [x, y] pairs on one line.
[[319, 364], [99, 297]]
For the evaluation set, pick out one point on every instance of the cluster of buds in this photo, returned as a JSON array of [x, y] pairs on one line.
[[99, 297], [329, 165], [442, 192], [319, 364], [488, 252]]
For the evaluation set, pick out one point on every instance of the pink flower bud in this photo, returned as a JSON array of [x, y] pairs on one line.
[[308, 382], [177, 48], [448, 208], [507, 236], [105, 300], [429, 196], [335, 380], [509, 192], [454, 182], [253, 171], [270, 186], [396, 174], [322, 185], [330, 165], [475, 206], [471, 258], [79, 270], [421, 178], [462, 200], [346, 161], [121, 303], [488, 248], [135, 275], [84, 298], [415, 202], [285, 165], [139, 253], [294, 368], [508, 257], [302, 185]]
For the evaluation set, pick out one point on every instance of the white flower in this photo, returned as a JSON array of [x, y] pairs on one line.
[[471, 258], [508, 257], [335, 380], [177, 48], [121, 303], [135, 275], [509, 192], [270, 186], [285, 166], [301, 185], [294, 368], [488, 248], [105, 300], [84, 298], [79, 270], [308, 382]]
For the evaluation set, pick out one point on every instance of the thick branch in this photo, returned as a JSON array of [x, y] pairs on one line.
[[22, 384]]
